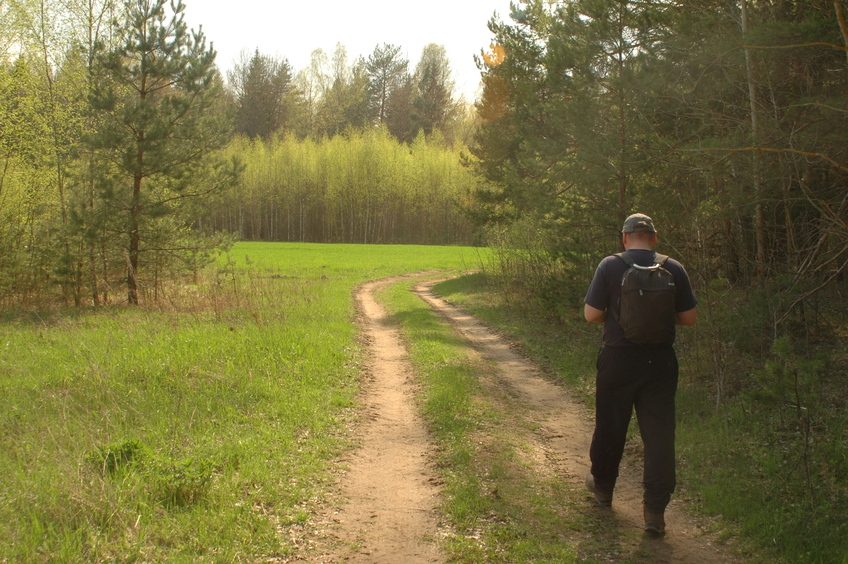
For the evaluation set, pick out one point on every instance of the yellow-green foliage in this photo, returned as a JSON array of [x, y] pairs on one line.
[[361, 187], [27, 181]]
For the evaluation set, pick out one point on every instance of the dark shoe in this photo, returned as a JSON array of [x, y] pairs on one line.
[[602, 498], [654, 522]]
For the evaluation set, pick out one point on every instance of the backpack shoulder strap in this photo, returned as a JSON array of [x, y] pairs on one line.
[[626, 258], [630, 262], [659, 259]]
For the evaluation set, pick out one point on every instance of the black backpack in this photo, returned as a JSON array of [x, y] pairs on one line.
[[646, 310]]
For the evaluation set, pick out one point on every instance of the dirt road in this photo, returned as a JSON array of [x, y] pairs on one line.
[[389, 513], [389, 509]]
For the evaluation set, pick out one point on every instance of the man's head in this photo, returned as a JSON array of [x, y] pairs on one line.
[[639, 232]]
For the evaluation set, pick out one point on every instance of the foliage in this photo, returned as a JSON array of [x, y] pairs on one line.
[[265, 97], [433, 108], [772, 460], [95, 113], [361, 187], [714, 118], [387, 74], [113, 114], [722, 121], [727, 136]]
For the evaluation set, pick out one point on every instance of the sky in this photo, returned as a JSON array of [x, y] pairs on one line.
[[293, 29]]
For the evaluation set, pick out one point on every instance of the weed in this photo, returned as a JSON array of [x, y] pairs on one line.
[[180, 483], [111, 458]]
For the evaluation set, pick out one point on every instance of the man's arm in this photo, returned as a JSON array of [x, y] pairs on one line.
[[594, 315], [686, 318]]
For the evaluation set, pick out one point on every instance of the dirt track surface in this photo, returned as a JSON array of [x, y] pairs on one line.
[[388, 512]]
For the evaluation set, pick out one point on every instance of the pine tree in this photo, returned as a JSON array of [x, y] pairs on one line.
[[387, 72], [160, 125]]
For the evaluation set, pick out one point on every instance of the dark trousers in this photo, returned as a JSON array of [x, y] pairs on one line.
[[644, 378]]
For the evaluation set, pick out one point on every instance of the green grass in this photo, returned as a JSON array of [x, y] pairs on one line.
[[199, 430], [202, 429], [751, 470]]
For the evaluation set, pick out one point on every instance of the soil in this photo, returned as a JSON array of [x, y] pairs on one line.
[[385, 508]]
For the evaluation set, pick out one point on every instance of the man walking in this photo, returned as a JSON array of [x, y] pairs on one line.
[[636, 375]]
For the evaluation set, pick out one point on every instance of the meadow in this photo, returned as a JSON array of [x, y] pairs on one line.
[[198, 429], [205, 427]]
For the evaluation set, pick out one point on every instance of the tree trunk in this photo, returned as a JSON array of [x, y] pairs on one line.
[[759, 212], [135, 238]]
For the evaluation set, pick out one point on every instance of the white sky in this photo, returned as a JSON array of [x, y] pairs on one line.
[[293, 29]]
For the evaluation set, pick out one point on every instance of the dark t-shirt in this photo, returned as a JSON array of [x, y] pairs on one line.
[[605, 291]]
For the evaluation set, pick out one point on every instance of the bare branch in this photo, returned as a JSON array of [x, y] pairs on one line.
[[825, 158], [796, 46]]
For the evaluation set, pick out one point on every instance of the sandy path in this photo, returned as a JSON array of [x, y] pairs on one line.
[[389, 508], [389, 515]]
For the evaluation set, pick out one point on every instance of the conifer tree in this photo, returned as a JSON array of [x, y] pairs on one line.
[[387, 72], [433, 105], [564, 109], [160, 126], [399, 111], [266, 100]]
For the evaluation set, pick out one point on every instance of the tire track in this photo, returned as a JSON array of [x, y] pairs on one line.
[[389, 515], [565, 431]]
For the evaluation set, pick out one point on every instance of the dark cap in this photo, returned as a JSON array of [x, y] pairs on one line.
[[638, 223]]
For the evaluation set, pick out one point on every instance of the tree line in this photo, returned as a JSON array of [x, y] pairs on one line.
[[333, 95], [119, 167], [360, 187]]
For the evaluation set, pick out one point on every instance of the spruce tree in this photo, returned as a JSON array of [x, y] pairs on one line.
[[265, 97], [433, 105]]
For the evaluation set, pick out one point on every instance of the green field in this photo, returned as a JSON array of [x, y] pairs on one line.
[[204, 427], [196, 430]]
